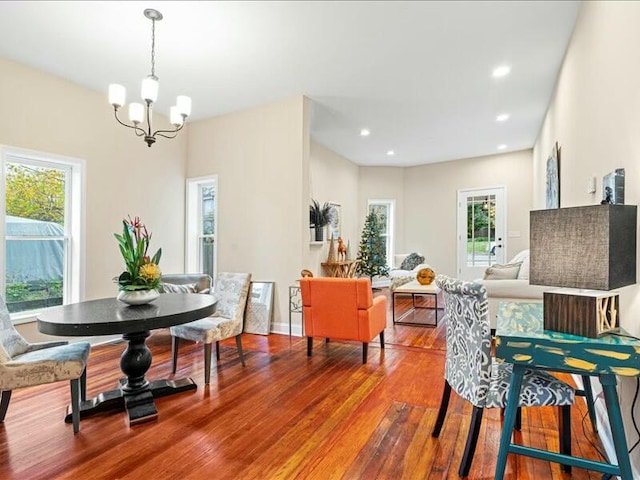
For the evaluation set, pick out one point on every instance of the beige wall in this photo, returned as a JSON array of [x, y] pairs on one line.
[[334, 179], [260, 158], [595, 117], [48, 114], [426, 201]]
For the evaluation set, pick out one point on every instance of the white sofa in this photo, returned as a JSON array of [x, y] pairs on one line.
[[397, 276], [516, 290]]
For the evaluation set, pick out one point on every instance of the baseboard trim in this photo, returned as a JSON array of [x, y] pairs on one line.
[[283, 328]]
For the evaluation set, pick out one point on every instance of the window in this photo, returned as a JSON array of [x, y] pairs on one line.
[[41, 225], [384, 210], [201, 225]]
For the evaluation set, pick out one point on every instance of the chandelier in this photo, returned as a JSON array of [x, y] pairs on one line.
[[138, 111]]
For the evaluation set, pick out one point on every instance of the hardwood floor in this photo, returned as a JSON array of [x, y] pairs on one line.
[[282, 416]]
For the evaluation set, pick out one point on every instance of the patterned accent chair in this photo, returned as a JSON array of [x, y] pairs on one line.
[[24, 364], [231, 290], [471, 372], [342, 308]]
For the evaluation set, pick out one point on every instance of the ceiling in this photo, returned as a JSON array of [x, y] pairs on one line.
[[418, 75]]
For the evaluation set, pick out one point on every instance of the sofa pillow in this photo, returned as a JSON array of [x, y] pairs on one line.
[[173, 288], [412, 261], [502, 272], [522, 257]]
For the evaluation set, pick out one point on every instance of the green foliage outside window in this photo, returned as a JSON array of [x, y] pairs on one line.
[[35, 193]]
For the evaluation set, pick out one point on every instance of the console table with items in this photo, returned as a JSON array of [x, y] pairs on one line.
[[522, 341]]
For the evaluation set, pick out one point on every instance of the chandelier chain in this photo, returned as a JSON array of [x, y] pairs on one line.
[[153, 48]]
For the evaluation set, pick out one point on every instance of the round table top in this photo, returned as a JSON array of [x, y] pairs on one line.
[[109, 316]]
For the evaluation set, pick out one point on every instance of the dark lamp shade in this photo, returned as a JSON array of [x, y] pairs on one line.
[[592, 247]]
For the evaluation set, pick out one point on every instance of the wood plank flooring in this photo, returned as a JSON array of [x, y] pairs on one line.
[[283, 416]]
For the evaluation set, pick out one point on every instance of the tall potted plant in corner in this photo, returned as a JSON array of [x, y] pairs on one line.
[[319, 217]]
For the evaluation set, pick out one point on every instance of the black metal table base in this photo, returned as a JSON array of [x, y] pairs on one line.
[[415, 307], [139, 406]]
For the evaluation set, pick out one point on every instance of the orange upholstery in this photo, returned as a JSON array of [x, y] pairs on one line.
[[342, 308]]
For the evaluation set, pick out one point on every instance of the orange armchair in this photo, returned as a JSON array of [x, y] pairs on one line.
[[344, 309]]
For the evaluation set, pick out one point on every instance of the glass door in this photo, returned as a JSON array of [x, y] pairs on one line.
[[481, 231]]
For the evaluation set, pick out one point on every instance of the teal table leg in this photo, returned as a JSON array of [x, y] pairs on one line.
[[617, 428], [588, 396], [509, 419]]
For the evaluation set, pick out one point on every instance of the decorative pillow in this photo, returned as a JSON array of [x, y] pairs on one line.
[[502, 272], [523, 257], [412, 261], [173, 288]]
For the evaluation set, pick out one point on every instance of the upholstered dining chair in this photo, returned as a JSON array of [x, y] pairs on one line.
[[231, 291], [472, 373], [24, 364], [344, 309]]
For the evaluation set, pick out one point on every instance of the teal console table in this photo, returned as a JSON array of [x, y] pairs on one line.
[[522, 341]]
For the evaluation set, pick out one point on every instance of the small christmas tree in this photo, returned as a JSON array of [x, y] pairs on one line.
[[372, 252]]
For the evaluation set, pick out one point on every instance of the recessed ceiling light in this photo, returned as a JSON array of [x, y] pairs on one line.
[[390, 153], [365, 132], [503, 117], [501, 71], [502, 147]]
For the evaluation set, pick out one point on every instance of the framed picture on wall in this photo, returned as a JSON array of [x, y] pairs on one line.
[[553, 178], [335, 221]]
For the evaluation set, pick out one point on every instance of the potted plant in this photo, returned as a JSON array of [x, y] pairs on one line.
[[319, 217], [139, 283]]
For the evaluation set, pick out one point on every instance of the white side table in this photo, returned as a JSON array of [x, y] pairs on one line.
[[414, 288]]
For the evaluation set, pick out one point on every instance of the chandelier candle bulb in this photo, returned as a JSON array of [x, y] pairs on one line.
[[183, 104], [136, 112], [117, 95], [149, 89], [176, 117]]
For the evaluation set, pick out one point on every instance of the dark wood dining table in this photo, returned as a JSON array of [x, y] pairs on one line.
[[108, 316]]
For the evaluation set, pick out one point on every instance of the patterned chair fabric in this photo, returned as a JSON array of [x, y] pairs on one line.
[[24, 364], [469, 368], [231, 291]]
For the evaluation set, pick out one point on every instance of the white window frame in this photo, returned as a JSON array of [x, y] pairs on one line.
[[194, 224], [74, 224], [391, 224]]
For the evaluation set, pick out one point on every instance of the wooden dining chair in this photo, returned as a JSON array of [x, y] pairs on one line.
[[24, 364]]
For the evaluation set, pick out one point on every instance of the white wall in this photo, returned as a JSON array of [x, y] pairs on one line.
[[595, 117], [48, 114], [261, 159]]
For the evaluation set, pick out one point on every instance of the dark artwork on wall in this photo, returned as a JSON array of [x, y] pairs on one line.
[[613, 187], [553, 178]]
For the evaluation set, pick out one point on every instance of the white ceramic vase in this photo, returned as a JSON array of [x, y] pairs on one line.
[[137, 297]]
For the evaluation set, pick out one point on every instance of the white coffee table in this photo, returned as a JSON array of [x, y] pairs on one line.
[[414, 288]]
